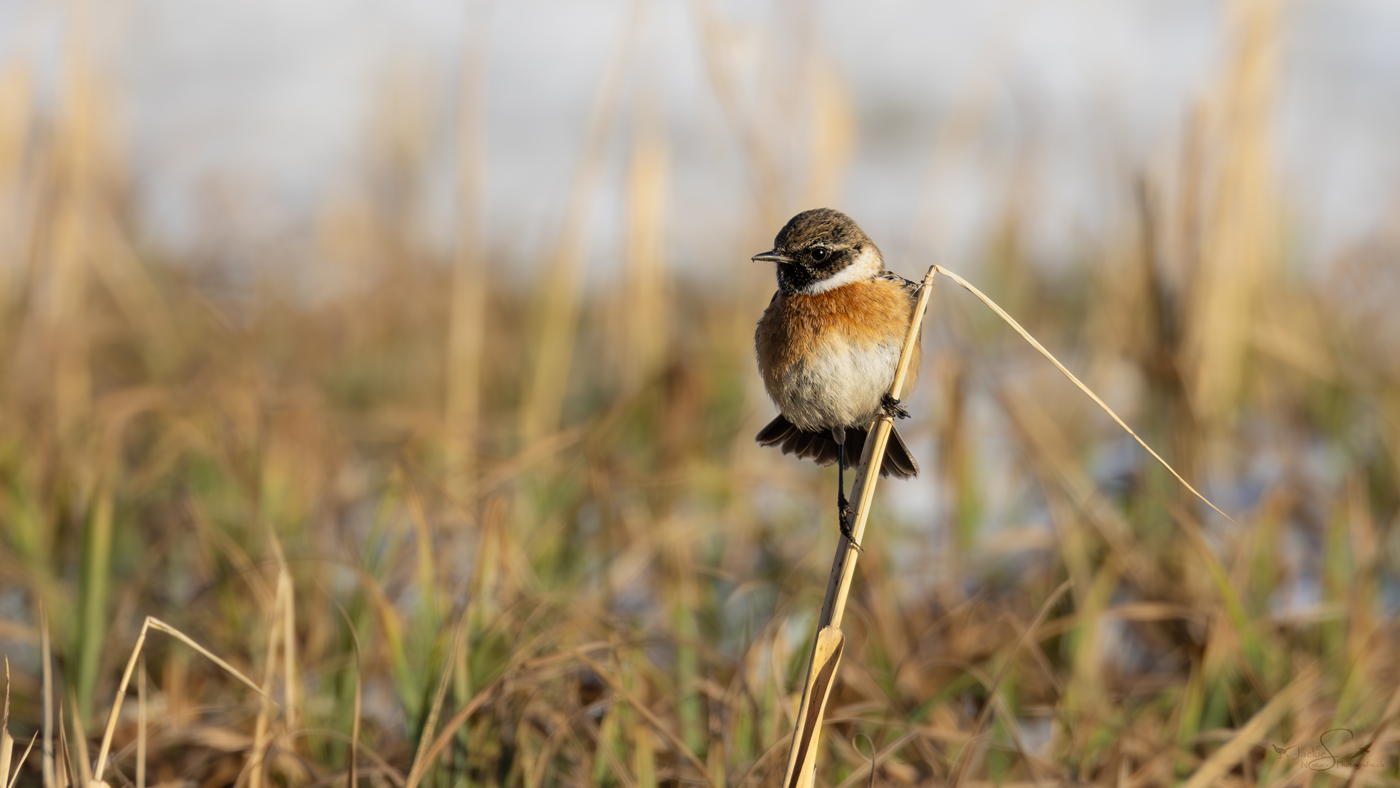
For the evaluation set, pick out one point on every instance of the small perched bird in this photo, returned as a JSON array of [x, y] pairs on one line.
[[828, 345]]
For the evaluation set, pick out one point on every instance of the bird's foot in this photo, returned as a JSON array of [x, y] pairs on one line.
[[843, 508], [892, 407]]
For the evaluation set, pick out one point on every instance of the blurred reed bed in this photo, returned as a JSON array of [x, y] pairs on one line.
[[463, 532]]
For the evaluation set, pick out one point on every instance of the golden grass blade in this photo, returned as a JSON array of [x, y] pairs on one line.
[[117, 704], [643, 319], [1224, 759], [156, 624], [253, 768], [65, 777], [1106, 409], [161, 626], [20, 763], [826, 659], [288, 621], [466, 331], [80, 745], [46, 656], [6, 743], [863, 489], [559, 306], [806, 735], [141, 722]]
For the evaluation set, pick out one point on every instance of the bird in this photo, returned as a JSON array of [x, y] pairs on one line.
[[828, 345]]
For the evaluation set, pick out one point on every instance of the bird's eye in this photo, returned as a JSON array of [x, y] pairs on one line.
[[820, 253]]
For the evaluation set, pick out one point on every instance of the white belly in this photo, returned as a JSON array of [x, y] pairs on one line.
[[840, 386]]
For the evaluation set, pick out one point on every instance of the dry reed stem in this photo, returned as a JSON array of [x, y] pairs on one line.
[[46, 657], [833, 131], [964, 124], [253, 767], [1239, 226], [80, 744], [160, 626], [291, 684], [821, 678], [6, 743], [470, 272], [66, 776], [806, 736], [1224, 759], [643, 315], [20, 763], [141, 722], [1106, 409], [761, 162], [559, 306], [801, 760]]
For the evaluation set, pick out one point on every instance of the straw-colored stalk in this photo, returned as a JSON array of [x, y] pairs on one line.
[[717, 41], [80, 745], [6, 743], [559, 304], [16, 124], [160, 626], [643, 316], [1239, 226], [470, 274], [46, 657], [826, 653], [277, 632], [141, 722], [833, 133]]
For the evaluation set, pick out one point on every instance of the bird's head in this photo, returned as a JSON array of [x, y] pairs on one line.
[[822, 249]]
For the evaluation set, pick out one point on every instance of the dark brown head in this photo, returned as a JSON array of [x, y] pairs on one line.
[[821, 249]]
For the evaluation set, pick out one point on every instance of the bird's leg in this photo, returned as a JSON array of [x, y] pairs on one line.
[[892, 407], [843, 507]]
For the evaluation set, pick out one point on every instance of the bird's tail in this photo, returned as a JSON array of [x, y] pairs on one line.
[[820, 447]]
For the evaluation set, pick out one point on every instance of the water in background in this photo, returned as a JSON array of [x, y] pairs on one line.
[[246, 117]]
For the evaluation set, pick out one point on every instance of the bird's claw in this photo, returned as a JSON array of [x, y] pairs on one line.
[[843, 508], [892, 407]]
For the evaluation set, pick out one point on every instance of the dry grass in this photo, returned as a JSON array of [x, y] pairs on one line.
[[523, 538]]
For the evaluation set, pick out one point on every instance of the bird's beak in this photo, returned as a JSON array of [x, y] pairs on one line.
[[771, 257]]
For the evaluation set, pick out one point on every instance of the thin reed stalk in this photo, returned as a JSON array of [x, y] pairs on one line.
[[558, 308], [471, 281]]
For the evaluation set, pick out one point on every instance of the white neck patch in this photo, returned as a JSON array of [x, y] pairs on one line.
[[867, 265]]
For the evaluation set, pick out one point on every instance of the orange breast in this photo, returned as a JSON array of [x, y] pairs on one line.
[[795, 326]]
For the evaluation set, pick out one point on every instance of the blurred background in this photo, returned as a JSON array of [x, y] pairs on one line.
[[401, 355]]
